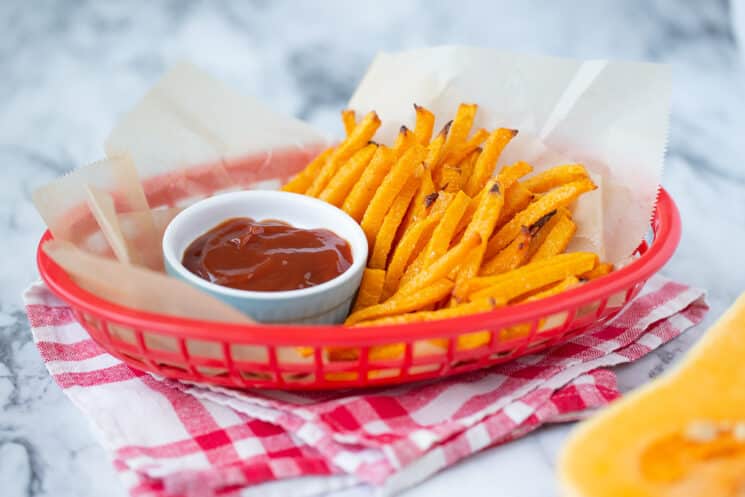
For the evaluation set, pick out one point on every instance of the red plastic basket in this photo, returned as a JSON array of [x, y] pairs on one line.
[[267, 356]]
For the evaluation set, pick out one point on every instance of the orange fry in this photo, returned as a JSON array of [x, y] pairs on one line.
[[597, 271], [384, 237], [436, 148], [349, 120], [360, 137], [404, 250], [530, 277], [440, 268], [404, 141], [425, 121], [558, 197], [424, 198], [557, 238], [484, 168], [439, 207], [554, 289], [461, 127], [556, 176], [364, 190], [507, 177], [392, 184], [467, 166], [401, 303], [445, 230], [516, 198], [482, 225], [302, 180], [483, 305], [337, 189], [370, 290], [510, 257]]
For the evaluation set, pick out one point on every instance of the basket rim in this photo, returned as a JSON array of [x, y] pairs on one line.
[[666, 225]]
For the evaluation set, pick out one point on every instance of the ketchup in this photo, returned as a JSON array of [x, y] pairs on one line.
[[267, 255]]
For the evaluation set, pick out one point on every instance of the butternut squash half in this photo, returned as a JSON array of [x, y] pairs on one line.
[[683, 435]]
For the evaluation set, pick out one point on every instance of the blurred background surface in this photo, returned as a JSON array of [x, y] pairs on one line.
[[68, 69]]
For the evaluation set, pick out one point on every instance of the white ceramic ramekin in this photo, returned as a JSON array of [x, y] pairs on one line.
[[326, 303]]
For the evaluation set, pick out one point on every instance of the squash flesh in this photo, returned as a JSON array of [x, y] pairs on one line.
[[623, 451]]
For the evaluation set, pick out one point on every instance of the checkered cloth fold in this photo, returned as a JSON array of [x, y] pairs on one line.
[[169, 438]]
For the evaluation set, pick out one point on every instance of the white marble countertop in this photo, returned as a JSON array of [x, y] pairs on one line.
[[68, 69]]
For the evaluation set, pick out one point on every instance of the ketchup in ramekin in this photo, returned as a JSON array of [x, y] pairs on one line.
[[267, 256]]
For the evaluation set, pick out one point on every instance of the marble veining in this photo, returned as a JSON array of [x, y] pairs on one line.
[[69, 68]]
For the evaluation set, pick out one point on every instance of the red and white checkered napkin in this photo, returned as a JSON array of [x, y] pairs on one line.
[[172, 439]]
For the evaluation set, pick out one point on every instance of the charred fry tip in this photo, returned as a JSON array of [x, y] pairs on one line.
[[446, 129], [514, 132], [536, 226], [403, 130], [417, 107], [521, 245], [583, 280], [430, 199], [492, 302], [445, 186], [373, 142], [494, 188]]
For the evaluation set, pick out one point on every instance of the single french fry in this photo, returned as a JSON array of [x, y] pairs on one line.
[[557, 238], [532, 276], [483, 305], [425, 121], [597, 271], [439, 207], [302, 180], [487, 212], [391, 185], [551, 290], [473, 143], [510, 257], [360, 137], [337, 189], [349, 119], [436, 148], [371, 289], [558, 197], [445, 230], [555, 176], [543, 227], [440, 268], [423, 200], [482, 225], [401, 303], [404, 141], [384, 237], [364, 190], [404, 250], [461, 127], [487, 161]]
